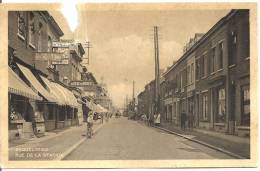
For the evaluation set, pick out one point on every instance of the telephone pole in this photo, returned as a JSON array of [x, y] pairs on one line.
[[133, 95], [157, 69]]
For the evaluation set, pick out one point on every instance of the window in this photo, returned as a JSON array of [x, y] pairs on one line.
[[202, 67], [174, 109], [40, 39], [170, 112], [245, 93], [220, 57], [213, 58], [221, 112], [205, 65], [192, 73], [31, 30], [189, 75], [205, 106], [197, 69], [181, 79], [49, 44], [21, 25], [233, 49]]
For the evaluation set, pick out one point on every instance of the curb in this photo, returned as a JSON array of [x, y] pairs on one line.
[[203, 143], [71, 149]]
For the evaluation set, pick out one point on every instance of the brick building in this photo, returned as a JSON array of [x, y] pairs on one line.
[[210, 81], [29, 33]]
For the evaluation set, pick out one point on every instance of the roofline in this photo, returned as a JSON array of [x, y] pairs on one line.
[[53, 23], [222, 21]]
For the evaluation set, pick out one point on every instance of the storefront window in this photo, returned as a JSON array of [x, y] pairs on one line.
[[221, 113], [205, 107], [174, 109], [245, 119]]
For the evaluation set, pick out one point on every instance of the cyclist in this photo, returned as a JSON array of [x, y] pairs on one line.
[[90, 123]]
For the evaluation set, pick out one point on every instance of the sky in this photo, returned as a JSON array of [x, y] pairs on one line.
[[122, 42]]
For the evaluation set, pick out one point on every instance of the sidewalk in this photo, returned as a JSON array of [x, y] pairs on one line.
[[53, 146], [234, 144]]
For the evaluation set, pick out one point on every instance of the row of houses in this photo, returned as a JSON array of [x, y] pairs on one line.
[[210, 82], [42, 72]]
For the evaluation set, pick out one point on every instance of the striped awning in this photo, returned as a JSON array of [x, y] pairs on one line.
[[54, 91], [18, 87], [36, 84], [66, 95]]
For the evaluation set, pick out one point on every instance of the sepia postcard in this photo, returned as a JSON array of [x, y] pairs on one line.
[[128, 85]]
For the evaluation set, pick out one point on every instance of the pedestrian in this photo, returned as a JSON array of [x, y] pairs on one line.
[[190, 120], [157, 120], [90, 123], [183, 120]]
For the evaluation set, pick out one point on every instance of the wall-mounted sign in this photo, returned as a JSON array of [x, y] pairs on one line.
[[61, 62], [82, 83], [60, 44]]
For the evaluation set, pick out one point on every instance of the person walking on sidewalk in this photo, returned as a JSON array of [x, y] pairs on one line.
[[183, 120], [90, 124], [190, 119]]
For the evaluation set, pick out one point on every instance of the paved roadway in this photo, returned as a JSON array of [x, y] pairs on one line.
[[123, 139]]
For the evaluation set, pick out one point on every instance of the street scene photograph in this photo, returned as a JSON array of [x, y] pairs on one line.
[[129, 83]]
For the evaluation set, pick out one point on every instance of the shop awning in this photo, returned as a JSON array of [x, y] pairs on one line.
[[36, 84], [54, 91], [18, 87], [67, 96]]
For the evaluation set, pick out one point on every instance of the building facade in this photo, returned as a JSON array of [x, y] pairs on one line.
[[211, 80], [39, 104]]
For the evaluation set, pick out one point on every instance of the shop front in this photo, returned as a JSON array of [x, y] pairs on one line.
[[43, 110], [20, 111]]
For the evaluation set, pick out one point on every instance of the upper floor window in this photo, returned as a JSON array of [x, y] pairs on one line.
[[21, 25], [205, 60], [181, 79], [213, 60], [189, 74], [40, 37], [233, 48], [202, 66], [31, 30], [220, 57], [192, 73], [197, 70], [49, 44]]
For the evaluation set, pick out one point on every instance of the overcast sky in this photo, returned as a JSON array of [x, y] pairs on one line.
[[123, 42]]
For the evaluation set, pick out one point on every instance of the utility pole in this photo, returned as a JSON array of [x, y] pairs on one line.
[[133, 95], [127, 105], [157, 69]]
